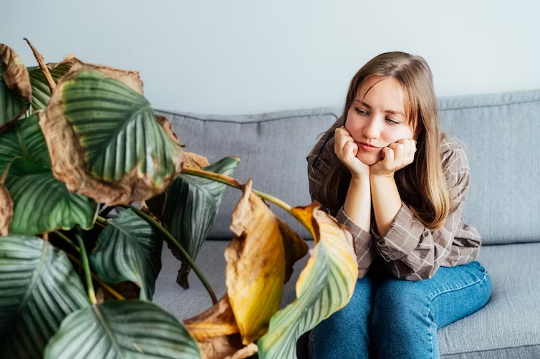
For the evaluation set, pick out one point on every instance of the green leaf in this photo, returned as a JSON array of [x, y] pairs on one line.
[[113, 148], [129, 249], [122, 329], [24, 139], [42, 203], [38, 289], [192, 206], [41, 93], [118, 128], [325, 285], [15, 90]]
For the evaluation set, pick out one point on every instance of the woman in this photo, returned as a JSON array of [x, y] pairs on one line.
[[387, 172]]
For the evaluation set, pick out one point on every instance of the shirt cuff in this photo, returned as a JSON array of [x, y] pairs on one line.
[[402, 238]]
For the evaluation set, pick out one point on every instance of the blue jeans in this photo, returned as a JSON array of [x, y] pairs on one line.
[[392, 318]]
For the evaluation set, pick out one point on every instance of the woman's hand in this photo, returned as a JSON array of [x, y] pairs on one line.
[[346, 150], [396, 156]]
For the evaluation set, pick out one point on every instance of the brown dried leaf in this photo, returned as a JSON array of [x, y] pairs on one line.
[[6, 211], [15, 75], [255, 269], [295, 247], [193, 160], [167, 126], [221, 347], [129, 78], [68, 155], [216, 321], [245, 352]]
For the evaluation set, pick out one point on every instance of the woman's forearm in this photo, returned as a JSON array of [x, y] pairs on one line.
[[358, 202], [386, 202]]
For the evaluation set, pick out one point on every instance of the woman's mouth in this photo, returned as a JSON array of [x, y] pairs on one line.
[[367, 147]]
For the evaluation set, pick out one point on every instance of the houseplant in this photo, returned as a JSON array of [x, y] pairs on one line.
[[80, 147]]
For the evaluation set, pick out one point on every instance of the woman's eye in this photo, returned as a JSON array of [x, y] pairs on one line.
[[359, 111], [389, 120]]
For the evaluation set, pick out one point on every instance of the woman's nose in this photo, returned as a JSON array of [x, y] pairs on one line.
[[372, 128]]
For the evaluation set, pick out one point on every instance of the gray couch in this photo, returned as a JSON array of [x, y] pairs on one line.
[[502, 136]]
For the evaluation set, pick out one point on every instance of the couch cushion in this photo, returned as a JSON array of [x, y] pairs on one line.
[[500, 133], [507, 327]]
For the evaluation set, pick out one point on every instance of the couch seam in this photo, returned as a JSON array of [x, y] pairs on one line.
[[248, 122], [494, 105], [490, 350]]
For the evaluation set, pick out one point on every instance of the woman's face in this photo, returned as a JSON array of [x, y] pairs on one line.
[[377, 117]]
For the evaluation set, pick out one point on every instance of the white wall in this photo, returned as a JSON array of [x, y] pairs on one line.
[[249, 56]]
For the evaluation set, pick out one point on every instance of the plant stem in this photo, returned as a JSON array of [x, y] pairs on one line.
[[186, 256], [234, 183], [96, 278], [101, 220], [73, 258], [65, 238], [43, 67], [87, 273]]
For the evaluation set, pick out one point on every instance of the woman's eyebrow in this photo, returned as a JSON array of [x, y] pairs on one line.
[[387, 111]]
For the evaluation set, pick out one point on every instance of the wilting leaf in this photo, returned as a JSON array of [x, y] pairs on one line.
[[325, 285], [215, 321], [226, 347], [41, 93], [104, 139], [42, 203], [15, 89], [191, 209], [122, 329], [255, 269], [6, 210], [24, 139], [217, 334], [38, 289], [129, 249], [295, 247]]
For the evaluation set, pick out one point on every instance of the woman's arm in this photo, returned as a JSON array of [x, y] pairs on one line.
[[358, 202], [411, 250], [386, 201], [355, 214]]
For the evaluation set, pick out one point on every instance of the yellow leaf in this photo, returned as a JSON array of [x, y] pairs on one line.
[[255, 270], [325, 285]]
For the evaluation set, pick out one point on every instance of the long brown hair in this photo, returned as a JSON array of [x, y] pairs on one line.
[[421, 184]]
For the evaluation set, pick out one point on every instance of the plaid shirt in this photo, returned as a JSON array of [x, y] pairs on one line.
[[410, 250]]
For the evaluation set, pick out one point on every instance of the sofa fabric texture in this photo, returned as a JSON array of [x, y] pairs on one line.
[[500, 135]]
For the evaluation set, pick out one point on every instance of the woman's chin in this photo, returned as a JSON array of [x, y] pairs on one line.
[[368, 159]]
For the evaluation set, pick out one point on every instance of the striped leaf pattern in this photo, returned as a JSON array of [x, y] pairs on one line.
[[38, 289], [117, 128], [129, 249], [24, 139], [325, 285], [122, 329], [191, 218], [42, 203], [41, 93]]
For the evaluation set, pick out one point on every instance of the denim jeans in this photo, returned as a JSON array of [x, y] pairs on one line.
[[392, 318]]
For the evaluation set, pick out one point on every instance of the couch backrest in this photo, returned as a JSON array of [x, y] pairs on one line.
[[500, 132]]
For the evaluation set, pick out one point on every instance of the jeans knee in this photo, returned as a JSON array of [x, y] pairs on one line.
[[397, 304]]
